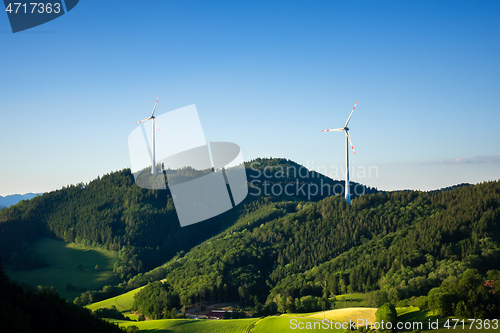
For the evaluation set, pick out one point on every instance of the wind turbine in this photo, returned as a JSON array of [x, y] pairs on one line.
[[153, 123], [347, 141]]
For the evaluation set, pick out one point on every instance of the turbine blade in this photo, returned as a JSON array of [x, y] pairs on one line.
[[349, 137], [159, 130], [143, 120], [347, 122], [333, 130], [152, 114]]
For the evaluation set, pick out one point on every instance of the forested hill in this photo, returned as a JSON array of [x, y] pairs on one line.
[[293, 249], [114, 212], [398, 245]]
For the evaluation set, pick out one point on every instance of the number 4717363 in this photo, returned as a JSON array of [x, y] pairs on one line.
[[33, 7]]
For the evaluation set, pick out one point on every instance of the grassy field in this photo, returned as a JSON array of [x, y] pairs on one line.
[[310, 322], [344, 315], [123, 303], [251, 325], [289, 323], [162, 325], [284, 323], [69, 264], [193, 326]]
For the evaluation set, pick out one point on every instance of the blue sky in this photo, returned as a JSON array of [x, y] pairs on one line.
[[267, 75]]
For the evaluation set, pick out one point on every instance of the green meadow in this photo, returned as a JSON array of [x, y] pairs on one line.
[[69, 263], [193, 326], [285, 322], [122, 303], [309, 322], [292, 323], [346, 314]]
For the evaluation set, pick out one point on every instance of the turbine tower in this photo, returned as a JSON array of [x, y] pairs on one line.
[[347, 141], [153, 123]]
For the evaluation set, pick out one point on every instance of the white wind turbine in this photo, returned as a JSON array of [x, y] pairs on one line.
[[347, 141], [153, 123]]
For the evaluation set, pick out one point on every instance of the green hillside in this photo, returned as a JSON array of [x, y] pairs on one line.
[[292, 322], [192, 326], [328, 247], [435, 250], [114, 212], [70, 268], [283, 253], [396, 245], [139, 225], [122, 303]]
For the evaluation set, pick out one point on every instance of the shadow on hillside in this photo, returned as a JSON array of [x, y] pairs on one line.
[[72, 269]]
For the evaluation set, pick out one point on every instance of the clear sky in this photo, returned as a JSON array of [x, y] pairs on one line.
[[267, 75]]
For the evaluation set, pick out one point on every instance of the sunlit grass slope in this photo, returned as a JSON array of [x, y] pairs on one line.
[[69, 263], [290, 323], [287, 323], [193, 326], [344, 315], [123, 302]]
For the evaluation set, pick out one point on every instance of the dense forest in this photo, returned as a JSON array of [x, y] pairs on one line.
[[156, 301], [397, 247], [280, 252], [113, 212], [24, 310], [141, 224]]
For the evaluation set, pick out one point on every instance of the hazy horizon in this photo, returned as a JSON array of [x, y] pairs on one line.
[[268, 76]]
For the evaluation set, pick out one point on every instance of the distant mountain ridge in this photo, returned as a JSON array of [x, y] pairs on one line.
[[12, 199]]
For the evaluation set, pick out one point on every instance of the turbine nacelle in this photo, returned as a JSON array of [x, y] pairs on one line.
[[345, 128]]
